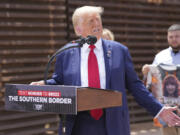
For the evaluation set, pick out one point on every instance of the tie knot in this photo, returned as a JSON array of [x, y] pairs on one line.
[[92, 47]]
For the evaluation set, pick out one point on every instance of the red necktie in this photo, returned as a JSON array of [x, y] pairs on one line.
[[93, 79]]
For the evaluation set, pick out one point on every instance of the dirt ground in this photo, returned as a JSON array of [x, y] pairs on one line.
[[144, 129]]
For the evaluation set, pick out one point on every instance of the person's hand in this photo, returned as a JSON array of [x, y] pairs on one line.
[[38, 83], [145, 69], [168, 116]]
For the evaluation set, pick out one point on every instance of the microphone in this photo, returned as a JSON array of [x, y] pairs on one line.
[[89, 40]]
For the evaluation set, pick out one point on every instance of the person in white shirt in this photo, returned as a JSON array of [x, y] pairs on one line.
[[169, 56]]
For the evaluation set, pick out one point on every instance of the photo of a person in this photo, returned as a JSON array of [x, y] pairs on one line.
[[170, 86]]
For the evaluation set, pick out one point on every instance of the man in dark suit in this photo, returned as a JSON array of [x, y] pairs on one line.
[[116, 72]]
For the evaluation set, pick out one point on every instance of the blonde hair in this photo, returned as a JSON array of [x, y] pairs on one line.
[[85, 9], [107, 34]]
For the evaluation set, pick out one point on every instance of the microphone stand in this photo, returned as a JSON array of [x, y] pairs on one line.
[[80, 44]]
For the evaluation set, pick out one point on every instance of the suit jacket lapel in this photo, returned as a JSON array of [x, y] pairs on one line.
[[107, 48], [75, 66]]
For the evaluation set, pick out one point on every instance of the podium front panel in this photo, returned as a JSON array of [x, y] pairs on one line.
[[48, 98]]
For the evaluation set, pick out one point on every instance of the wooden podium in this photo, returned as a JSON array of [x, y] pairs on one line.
[[58, 99], [90, 98]]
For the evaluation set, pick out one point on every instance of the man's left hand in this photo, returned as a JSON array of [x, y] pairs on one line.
[[168, 116]]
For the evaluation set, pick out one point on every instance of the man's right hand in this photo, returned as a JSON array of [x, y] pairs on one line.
[[38, 83]]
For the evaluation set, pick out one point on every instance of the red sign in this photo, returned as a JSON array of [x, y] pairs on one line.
[[39, 93]]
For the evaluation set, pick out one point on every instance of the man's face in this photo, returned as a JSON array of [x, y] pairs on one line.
[[174, 39], [90, 24]]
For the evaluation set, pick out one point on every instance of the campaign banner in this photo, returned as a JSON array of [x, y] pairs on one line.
[[48, 98]]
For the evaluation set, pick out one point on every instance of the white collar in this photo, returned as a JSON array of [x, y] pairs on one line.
[[172, 50], [98, 44]]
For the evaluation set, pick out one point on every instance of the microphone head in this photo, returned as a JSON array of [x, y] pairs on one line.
[[91, 40]]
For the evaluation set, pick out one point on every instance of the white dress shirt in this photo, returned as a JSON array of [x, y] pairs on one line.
[[168, 57], [101, 64]]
